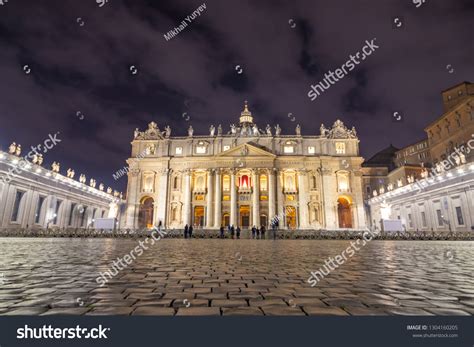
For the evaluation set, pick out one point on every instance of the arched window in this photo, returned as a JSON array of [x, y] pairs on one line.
[[289, 182], [200, 182], [244, 182], [263, 183], [226, 183]]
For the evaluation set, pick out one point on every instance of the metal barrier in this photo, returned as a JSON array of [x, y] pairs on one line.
[[215, 234]]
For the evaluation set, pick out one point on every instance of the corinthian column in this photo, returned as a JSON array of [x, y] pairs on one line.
[[161, 204], [209, 199], [303, 199], [271, 195], [233, 199], [218, 200], [256, 198], [187, 198], [280, 198]]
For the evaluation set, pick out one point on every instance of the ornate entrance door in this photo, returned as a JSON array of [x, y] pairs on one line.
[[291, 217], [145, 213], [199, 216], [344, 213], [244, 216]]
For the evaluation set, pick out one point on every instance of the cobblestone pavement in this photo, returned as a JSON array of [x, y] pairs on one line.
[[235, 277]]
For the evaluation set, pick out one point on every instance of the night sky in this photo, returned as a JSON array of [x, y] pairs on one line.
[[68, 66]]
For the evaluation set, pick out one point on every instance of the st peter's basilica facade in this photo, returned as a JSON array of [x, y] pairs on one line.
[[245, 176]]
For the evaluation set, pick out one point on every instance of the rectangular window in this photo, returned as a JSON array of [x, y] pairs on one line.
[[71, 214], [16, 206], [288, 149], [311, 150], [459, 215], [423, 218], [340, 148], [179, 150], [410, 220], [440, 218], [201, 150], [39, 206]]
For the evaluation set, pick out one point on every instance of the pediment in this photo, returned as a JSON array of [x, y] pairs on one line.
[[246, 150]]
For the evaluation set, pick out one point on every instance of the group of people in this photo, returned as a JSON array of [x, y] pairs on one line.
[[258, 233], [233, 231], [188, 231]]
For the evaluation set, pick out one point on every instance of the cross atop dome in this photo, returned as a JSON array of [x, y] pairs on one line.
[[246, 115]]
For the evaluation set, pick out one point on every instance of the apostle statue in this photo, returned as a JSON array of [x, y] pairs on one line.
[[298, 130], [135, 133], [462, 157], [190, 131], [233, 129], [12, 148], [101, 186], [268, 130], [109, 190], [212, 130], [277, 130], [167, 131], [255, 130], [18, 150], [323, 130], [353, 132], [219, 130], [40, 159]]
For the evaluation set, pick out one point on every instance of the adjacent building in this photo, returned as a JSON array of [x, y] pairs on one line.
[[428, 185]]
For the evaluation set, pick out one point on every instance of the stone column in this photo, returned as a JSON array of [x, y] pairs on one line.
[[187, 198], [256, 198], [330, 194], [162, 197], [271, 195], [210, 190], [303, 199], [218, 200], [233, 199], [131, 214], [280, 200], [358, 193]]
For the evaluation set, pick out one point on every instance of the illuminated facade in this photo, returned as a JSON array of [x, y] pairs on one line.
[[244, 177]]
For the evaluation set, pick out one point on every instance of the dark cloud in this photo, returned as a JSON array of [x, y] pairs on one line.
[[282, 47]]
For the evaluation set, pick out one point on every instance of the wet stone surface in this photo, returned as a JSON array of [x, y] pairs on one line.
[[44, 276]]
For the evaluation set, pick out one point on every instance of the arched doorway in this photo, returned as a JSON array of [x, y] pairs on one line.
[[291, 217], [344, 212], [199, 216], [263, 220], [145, 213], [244, 216]]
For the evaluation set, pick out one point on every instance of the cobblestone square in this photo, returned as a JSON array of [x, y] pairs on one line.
[[44, 276]]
